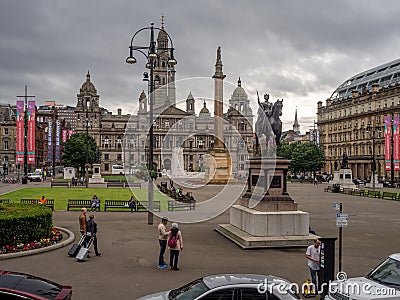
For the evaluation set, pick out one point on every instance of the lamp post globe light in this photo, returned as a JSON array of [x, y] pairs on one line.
[[151, 52]]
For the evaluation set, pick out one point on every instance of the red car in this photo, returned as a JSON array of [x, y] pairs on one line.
[[15, 286]]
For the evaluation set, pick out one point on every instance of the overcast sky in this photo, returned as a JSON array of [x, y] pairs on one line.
[[296, 50]]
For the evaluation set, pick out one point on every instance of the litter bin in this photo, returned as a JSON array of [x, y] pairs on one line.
[[24, 180], [336, 188]]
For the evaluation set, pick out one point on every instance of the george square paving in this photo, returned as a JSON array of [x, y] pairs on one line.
[[127, 267]]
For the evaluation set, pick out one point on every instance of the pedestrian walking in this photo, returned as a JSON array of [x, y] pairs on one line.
[[313, 255], [175, 245], [162, 240], [91, 233], [82, 221], [315, 181]]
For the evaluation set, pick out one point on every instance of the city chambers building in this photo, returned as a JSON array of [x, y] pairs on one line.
[[124, 140], [353, 120]]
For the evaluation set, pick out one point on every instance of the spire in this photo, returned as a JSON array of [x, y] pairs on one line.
[[88, 76], [142, 96], [239, 82], [162, 21], [296, 126], [218, 66]]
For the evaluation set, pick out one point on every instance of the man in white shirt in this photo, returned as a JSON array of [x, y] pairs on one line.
[[313, 255], [162, 239]]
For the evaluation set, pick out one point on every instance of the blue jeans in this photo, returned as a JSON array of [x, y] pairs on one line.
[[173, 259], [314, 275], [163, 246]]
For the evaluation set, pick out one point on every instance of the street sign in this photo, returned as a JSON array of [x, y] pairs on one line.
[[341, 220], [336, 206]]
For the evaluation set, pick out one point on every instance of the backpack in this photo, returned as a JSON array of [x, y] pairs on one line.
[[172, 242]]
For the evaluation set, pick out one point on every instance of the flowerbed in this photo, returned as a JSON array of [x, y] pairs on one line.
[[55, 237]]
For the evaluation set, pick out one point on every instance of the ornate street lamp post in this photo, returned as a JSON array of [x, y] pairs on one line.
[[151, 53]]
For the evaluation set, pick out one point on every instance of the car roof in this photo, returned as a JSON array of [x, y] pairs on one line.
[[214, 281], [395, 256], [29, 284]]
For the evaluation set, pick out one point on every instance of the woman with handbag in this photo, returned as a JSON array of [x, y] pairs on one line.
[[175, 245]]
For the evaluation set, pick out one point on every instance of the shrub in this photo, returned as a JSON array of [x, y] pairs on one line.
[[23, 223]]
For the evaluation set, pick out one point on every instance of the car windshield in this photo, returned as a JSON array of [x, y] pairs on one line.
[[189, 291], [387, 273]]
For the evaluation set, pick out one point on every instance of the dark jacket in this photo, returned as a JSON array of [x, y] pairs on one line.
[[91, 228]]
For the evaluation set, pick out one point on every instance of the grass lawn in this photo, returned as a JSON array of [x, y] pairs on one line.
[[61, 195]]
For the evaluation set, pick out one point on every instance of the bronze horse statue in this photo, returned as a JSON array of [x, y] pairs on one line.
[[268, 122]]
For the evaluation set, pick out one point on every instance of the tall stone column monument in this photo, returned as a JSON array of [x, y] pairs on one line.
[[218, 161]]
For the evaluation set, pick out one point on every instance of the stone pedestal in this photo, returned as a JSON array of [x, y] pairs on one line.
[[266, 216], [218, 167], [96, 181]]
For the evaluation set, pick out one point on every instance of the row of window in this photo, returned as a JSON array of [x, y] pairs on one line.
[[355, 150], [360, 109], [350, 136]]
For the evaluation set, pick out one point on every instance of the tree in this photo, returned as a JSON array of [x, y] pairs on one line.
[[304, 156], [75, 151]]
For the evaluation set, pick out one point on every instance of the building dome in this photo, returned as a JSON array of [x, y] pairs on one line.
[[239, 92], [88, 86], [204, 110]]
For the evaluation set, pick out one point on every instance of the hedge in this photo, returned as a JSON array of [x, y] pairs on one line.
[[24, 223]]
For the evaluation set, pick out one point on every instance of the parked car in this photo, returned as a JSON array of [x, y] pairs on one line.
[[15, 285], [357, 181], [383, 282], [230, 286]]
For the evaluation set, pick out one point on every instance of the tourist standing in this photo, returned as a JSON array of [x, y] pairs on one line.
[[175, 245], [162, 240], [313, 255]]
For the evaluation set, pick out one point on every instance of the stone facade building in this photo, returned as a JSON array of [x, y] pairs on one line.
[[123, 139], [352, 120], [7, 138]]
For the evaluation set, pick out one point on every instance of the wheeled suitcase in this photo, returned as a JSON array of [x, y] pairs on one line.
[[84, 251], [76, 247]]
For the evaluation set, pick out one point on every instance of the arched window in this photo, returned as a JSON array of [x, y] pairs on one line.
[[118, 142], [106, 142]]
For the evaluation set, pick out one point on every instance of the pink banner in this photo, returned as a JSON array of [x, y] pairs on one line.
[[20, 133], [64, 136], [388, 136], [70, 132], [31, 132], [396, 123]]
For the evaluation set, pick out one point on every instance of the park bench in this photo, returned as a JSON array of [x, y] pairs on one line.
[[60, 184], [328, 188], [143, 205], [131, 184], [173, 205], [390, 196], [116, 204], [347, 191], [4, 200], [115, 184], [75, 203], [359, 192], [49, 202], [373, 194]]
